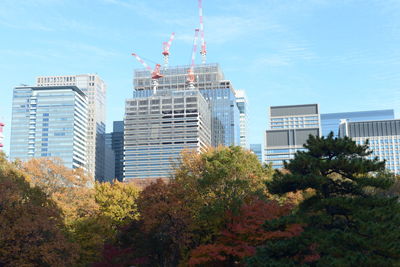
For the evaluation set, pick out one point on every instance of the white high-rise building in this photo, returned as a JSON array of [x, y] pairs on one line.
[[95, 89], [241, 102]]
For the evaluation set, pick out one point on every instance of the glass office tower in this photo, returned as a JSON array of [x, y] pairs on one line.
[[383, 137], [330, 121], [49, 121]]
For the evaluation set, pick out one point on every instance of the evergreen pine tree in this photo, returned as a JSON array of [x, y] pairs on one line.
[[344, 223]]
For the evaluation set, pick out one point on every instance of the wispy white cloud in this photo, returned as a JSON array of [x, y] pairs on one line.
[[288, 54]]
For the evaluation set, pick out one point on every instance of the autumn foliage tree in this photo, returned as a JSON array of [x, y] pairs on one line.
[[190, 210], [31, 232], [222, 179], [92, 212], [243, 234]]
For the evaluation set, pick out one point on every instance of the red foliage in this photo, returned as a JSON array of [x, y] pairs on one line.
[[243, 234], [117, 257]]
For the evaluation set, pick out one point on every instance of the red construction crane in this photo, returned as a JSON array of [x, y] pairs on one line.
[[155, 74], [1, 134], [166, 47], [191, 77], [203, 50]]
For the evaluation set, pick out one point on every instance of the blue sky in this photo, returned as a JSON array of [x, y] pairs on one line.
[[342, 54]]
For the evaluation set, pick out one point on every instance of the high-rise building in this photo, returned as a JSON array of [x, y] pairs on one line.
[[210, 80], [241, 102], [330, 121], [115, 140], [257, 149], [1, 135], [383, 136], [290, 127], [95, 89], [109, 162], [157, 128], [50, 121]]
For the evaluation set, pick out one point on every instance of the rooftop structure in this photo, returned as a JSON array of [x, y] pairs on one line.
[[330, 121], [207, 76]]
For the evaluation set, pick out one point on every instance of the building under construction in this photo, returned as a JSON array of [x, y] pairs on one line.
[[159, 127], [175, 108], [210, 80]]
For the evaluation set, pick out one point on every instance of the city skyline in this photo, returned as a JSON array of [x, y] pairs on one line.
[[276, 52]]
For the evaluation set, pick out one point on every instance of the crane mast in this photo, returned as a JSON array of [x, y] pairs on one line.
[[166, 47], [203, 50], [155, 74], [190, 77]]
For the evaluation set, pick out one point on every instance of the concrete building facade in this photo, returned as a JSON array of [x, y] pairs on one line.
[[50, 121], [95, 89], [158, 127], [290, 127], [383, 136]]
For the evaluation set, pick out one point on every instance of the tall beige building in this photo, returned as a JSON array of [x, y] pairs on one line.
[[95, 89]]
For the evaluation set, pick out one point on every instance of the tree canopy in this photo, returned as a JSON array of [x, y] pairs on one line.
[[345, 223], [31, 232]]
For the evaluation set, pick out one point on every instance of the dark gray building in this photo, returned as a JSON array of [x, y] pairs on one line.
[[290, 127], [115, 140], [383, 136], [330, 121], [109, 159]]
